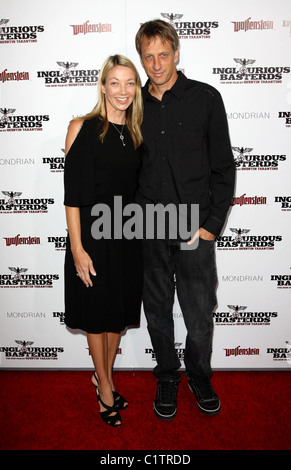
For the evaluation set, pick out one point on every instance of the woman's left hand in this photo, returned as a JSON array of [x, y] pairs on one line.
[[84, 266]]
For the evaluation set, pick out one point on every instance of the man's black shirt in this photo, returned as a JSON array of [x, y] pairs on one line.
[[187, 153]]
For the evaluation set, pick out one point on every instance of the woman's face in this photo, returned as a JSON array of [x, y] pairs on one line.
[[119, 89]]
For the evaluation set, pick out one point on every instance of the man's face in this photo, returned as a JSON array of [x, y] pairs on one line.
[[159, 61]]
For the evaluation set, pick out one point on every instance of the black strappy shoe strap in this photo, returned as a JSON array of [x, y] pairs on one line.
[[120, 402], [107, 416], [95, 377], [111, 419]]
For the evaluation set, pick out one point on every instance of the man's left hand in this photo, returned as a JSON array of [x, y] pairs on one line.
[[202, 233]]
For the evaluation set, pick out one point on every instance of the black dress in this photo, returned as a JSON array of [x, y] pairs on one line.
[[94, 173]]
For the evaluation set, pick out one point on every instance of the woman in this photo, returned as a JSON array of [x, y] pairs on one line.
[[103, 277]]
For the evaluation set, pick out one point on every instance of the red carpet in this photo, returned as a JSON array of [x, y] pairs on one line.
[[57, 410]]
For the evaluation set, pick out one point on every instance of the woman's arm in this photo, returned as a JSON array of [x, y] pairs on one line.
[[82, 260]]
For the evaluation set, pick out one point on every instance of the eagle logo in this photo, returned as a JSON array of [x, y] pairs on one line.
[[11, 195], [236, 310], [18, 271], [171, 17], [24, 344], [67, 66], [241, 153], [239, 233], [6, 113], [3, 21], [244, 62]]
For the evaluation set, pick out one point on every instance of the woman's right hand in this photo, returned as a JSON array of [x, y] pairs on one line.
[[84, 266]]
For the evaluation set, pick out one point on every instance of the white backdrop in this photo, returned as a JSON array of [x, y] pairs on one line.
[[51, 53]]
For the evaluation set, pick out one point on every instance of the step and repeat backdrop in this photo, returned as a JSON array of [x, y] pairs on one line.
[[51, 55]]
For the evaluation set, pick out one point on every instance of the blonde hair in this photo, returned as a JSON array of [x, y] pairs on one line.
[[134, 113]]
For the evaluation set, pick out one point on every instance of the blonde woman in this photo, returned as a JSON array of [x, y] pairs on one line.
[[103, 277]]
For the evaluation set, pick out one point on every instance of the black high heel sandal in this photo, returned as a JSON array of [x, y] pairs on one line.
[[107, 415], [119, 402]]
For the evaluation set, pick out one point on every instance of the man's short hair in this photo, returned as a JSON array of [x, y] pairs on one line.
[[154, 28]]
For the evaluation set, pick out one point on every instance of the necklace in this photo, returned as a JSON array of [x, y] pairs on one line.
[[121, 136]]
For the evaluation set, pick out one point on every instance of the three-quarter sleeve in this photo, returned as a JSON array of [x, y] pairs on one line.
[[79, 172]]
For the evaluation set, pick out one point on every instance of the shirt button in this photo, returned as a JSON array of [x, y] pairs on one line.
[[180, 123], [163, 132], [163, 106]]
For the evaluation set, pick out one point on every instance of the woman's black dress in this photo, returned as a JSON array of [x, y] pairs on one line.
[[94, 173]]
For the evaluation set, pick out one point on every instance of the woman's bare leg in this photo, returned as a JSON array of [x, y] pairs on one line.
[[113, 342], [99, 350]]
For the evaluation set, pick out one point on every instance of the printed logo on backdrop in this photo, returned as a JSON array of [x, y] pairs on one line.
[[242, 278], [179, 351], [282, 281], [281, 353], [55, 164], [25, 350], [6, 76], [250, 25], [18, 240], [237, 315], [248, 200], [242, 240], [19, 277], [59, 243], [238, 351], [60, 316], [18, 315], [284, 202], [287, 24], [87, 28], [245, 160], [189, 29], [177, 315], [10, 122], [15, 205], [118, 351], [16, 161], [18, 34], [69, 75], [246, 73], [248, 115], [286, 115]]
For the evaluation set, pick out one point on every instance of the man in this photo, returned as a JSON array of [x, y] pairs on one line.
[[187, 160]]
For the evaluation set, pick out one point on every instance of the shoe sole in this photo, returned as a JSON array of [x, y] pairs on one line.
[[206, 412], [164, 417]]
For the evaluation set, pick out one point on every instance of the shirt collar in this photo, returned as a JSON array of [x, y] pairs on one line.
[[178, 89]]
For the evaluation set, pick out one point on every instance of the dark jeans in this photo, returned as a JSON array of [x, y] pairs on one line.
[[196, 278]]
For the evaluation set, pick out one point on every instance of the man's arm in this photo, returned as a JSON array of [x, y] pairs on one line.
[[222, 167]]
